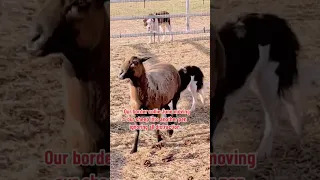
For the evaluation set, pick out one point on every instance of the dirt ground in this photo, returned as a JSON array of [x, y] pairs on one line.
[[31, 111], [189, 145], [242, 127], [31, 107]]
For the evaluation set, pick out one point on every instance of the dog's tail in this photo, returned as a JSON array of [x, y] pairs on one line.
[[189, 74], [285, 48]]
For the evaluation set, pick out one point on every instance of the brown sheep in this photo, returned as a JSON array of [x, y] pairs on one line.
[[153, 88], [218, 64], [79, 29], [218, 60]]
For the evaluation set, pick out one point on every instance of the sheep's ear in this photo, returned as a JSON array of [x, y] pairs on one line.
[[143, 59]]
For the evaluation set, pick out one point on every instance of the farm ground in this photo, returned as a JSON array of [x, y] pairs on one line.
[[31, 108], [189, 160], [243, 125]]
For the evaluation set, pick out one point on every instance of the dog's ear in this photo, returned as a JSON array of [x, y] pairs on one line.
[[240, 29]]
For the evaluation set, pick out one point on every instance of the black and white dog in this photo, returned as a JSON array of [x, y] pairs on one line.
[[261, 51], [154, 25], [192, 79]]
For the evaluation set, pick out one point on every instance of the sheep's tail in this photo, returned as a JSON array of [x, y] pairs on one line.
[[190, 74]]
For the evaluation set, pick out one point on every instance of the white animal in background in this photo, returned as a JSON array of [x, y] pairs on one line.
[[154, 25]]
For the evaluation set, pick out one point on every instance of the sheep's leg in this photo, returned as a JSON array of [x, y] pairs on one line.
[[159, 138], [174, 107], [217, 103], [136, 139], [167, 107]]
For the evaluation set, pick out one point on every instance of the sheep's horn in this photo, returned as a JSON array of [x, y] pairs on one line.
[[122, 74], [143, 59]]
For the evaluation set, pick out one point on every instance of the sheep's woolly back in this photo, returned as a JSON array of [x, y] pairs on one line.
[[219, 58], [162, 82]]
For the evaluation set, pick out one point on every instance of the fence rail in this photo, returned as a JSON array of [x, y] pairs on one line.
[[126, 1], [187, 15], [158, 16], [166, 33]]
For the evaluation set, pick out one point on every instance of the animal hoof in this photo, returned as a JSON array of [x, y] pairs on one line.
[[86, 171], [133, 151], [159, 138], [264, 153], [170, 132]]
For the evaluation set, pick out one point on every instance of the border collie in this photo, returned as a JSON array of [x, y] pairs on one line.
[[154, 25], [192, 79], [261, 51]]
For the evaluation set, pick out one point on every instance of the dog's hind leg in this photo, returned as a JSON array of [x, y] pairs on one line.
[[264, 84], [163, 30], [193, 89], [201, 96], [169, 30], [291, 101]]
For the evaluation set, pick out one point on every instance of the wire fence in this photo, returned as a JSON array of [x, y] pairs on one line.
[[158, 16], [187, 15], [156, 34]]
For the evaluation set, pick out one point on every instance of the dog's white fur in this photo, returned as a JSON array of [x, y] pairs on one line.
[[262, 82], [153, 26], [192, 88]]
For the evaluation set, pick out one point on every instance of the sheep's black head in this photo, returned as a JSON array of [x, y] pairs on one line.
[[132, 67]]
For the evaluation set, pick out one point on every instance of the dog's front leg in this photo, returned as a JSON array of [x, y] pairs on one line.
[[150, 39]]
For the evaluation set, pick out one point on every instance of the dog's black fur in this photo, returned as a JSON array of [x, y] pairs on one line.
[[241, 39], [160, 20], [185, 75]]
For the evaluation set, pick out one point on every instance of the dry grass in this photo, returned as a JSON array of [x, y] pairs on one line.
[[191, 159], [242, 127], [31, 111], [172, 6]]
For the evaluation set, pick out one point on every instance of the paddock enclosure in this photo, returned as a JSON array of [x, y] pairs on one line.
[[188, 145], [243, 123]]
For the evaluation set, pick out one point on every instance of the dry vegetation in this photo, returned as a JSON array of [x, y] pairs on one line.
[[189, 146], [242, 127], [31, 110]]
